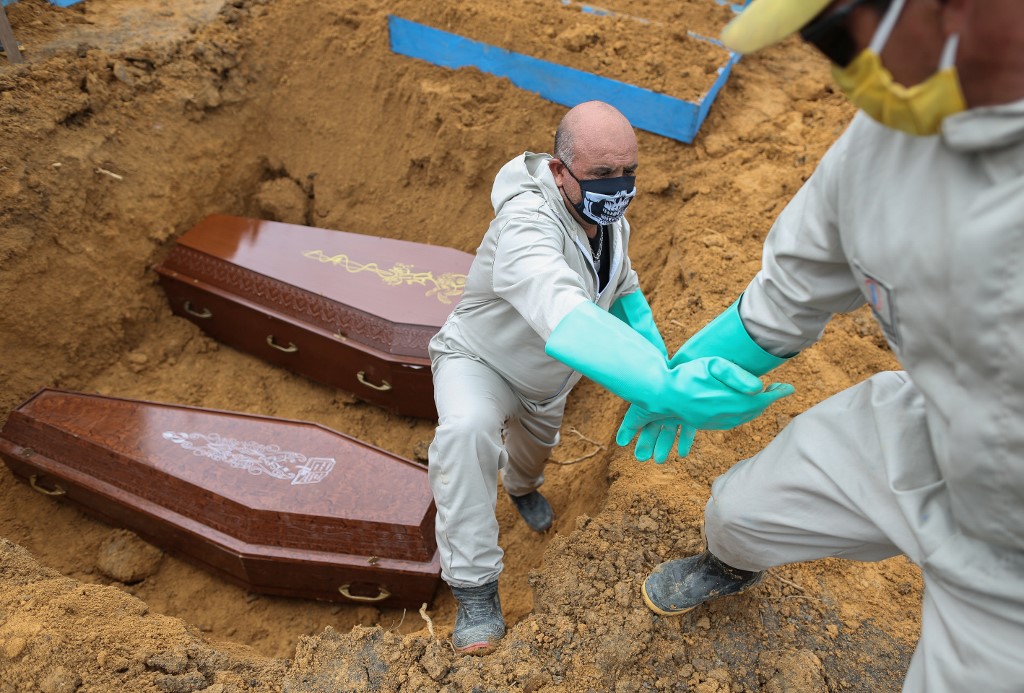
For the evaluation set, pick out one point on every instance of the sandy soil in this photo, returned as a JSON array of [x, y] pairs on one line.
[[298, 111]]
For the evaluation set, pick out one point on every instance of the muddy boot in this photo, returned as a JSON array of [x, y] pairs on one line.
[[535, 509], [479, 624], [675, 587]]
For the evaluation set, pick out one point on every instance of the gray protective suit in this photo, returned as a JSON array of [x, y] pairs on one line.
[[928, 462], [499, 397]]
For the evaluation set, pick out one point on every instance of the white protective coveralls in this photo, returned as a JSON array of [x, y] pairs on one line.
[[491, 375], [928, 462]]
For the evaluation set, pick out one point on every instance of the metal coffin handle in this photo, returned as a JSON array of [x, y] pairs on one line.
[[382, 594], [203, 314], [57, 490], [290, 349], [383, 387]]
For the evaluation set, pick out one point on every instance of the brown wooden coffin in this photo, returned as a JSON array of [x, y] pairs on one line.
[[277, 506], [349, 310]]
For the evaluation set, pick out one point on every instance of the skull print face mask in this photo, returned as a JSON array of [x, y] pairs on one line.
[[604, 199]]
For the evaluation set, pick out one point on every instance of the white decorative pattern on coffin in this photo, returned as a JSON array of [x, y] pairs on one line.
[[255, 458]]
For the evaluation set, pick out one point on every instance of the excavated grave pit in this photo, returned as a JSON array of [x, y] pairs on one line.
[[298, 111], [263, 139]]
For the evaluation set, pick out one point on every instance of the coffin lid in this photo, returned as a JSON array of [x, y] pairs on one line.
[[264, 480], [389, 294]]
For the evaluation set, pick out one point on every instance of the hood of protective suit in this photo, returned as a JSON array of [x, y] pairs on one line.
[[529, 173], [985, 128]]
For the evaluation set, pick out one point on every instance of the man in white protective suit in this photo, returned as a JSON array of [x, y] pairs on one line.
[[550, 296], [917, 210]]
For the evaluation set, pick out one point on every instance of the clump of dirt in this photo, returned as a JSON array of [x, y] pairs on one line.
[[118, 139]]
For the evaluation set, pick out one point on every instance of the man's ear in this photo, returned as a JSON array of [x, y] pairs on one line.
[[557, 169]]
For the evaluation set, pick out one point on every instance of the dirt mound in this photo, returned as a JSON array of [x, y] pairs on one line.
[[132, 120]]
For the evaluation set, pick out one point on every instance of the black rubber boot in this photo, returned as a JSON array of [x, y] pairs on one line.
[[535, 509], [675, 587], [479, 624]]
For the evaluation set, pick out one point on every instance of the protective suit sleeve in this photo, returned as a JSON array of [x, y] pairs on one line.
[[805, 276], [531, 274]]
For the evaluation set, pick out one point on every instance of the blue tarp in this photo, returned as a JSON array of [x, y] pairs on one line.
[[645, 109], [58, 3]]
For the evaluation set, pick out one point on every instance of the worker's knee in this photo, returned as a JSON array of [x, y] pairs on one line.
[[470, 425], [460, 438]]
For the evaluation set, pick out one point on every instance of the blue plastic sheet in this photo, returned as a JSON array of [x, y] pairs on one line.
[[647, 110]]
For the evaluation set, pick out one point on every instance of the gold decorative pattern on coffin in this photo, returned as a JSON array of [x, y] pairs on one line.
[[444, 288]]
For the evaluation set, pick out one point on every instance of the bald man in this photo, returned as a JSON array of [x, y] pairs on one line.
[[533, 320]]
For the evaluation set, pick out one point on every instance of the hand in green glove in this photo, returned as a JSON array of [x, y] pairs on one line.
[[657, 432], [710, 393], [657, 440], [724, 336], [657, 437], [714, 394]]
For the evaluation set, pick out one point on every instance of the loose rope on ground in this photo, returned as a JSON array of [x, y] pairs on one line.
[[599, 447]]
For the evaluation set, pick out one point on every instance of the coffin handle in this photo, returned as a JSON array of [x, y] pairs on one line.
[[290, 349], [383, 387], [56, 491], [382, 594], [204, 313]]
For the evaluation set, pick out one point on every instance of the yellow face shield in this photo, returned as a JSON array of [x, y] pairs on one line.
[[765, 22]]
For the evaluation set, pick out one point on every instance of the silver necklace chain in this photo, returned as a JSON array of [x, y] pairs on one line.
[[600, 246]]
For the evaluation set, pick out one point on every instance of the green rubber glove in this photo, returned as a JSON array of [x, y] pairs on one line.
[[710, 393], [725, 336], [634, 310], [657, 437]]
